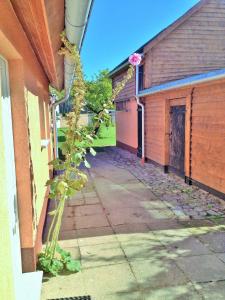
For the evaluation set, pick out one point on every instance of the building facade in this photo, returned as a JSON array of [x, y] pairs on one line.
[[183, 120]]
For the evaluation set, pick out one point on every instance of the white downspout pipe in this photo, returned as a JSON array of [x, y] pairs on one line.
[[143, 115]]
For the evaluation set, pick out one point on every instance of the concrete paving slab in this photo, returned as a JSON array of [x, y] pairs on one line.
[[171, 236], [156, 204], [221, 256], [76, 201], [91, 221], [101, 255], [68, 212], [110, 281], [136, 237], [92, 200], [67, 234], [87, 210], [156, 225], [157, 273], [128, 216], [188, 247], [131, 228], [68, 243], [159, 214], [63, 286], [68, 223], [214, 240], [180, 292], [142, 251], [212, 290], [95, 236], [203, 268]]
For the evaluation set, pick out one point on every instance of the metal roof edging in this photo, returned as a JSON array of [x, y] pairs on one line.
[[196, 79]]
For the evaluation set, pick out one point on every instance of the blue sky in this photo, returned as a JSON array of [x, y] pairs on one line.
[[118, 27]]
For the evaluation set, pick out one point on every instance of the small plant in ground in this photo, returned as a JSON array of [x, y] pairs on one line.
[[77, 138], [62, 261]]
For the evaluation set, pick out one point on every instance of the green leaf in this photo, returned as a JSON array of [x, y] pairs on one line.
[[77, 157], [71, 192], [56, 266], [52, 196], [87, 165], [62, 186], [92, 151], [49, 182], [73, 265]]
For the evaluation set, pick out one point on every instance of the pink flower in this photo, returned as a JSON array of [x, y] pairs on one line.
[[135, 59]]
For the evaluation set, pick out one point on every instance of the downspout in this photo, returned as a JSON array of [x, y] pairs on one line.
[[143, 116]]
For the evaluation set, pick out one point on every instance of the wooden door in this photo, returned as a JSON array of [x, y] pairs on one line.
[[139, 150], [177, 138]]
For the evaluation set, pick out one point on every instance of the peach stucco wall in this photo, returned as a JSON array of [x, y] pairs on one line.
[[30, 112], [126, 125]]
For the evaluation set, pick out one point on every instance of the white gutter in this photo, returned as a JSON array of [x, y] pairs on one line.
[[77, 13], [76, 19], [143, 115], [196, 79]]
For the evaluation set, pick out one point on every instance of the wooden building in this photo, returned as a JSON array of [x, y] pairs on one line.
[[181, 85]]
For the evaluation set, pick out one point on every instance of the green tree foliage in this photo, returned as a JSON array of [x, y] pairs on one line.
[[98, 91]]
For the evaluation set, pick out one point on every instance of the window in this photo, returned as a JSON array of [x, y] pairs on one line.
[[121, 106], [141, 77]]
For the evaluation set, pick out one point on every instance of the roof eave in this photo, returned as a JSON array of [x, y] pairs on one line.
[[77, 14], [162, 34], [181, 83]]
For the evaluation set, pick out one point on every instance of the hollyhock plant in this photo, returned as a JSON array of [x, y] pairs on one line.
[[70, 178], [135, 59]]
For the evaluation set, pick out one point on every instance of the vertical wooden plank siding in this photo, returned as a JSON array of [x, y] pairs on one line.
[[129, 89], [208, 136], [195, 46], [204, 131], [155, 128]]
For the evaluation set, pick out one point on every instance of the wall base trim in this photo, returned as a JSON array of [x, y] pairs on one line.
[[204, 187], [164, 168], [188, 180], [126, 147]]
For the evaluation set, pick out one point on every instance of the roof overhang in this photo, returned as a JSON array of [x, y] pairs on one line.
[[119, 68], [181, 83]]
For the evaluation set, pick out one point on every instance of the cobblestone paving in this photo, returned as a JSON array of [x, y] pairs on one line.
[[187, 202]]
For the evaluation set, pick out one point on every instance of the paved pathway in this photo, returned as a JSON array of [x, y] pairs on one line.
[[136, 240]]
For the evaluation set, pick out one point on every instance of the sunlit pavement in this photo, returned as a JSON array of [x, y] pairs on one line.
[[132, 244]]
